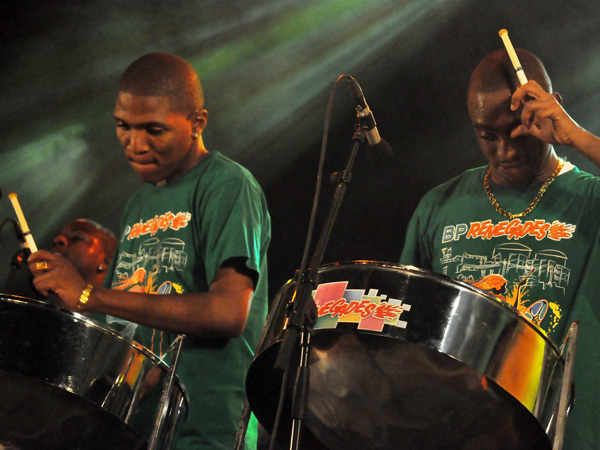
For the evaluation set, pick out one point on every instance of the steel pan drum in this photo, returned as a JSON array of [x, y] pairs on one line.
[[403, 358], [68, 382]]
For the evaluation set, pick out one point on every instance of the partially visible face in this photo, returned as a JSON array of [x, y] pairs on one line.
[[79, 242], [514, 162], [157, 140]]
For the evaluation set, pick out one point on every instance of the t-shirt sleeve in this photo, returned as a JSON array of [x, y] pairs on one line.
[[233, 225]]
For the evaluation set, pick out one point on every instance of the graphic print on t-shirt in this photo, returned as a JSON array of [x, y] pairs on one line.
[[510, 270], [151, 255]]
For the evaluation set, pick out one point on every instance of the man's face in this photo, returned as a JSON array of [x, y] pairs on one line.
[[80, 243], [514, 162], [157, 140]]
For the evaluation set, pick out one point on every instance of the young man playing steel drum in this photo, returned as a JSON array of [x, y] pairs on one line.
[[527, 223], [192, 253]]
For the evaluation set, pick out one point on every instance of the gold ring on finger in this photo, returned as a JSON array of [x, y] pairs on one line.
[[41, 266]]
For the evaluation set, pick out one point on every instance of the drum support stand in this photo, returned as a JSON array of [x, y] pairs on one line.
[[569, 351], [303, 314], [166, 392]]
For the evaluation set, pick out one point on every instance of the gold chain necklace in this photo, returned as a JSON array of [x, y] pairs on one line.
[[532, 205]]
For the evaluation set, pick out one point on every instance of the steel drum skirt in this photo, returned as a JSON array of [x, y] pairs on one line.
[[403, 358], [68, 382]]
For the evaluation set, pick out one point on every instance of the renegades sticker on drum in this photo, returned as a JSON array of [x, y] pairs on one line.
[[336, 304]]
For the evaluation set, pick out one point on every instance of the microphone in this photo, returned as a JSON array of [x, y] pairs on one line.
[[383, 150]]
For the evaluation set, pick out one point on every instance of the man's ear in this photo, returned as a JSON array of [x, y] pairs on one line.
[[558, 98], [199, 119]]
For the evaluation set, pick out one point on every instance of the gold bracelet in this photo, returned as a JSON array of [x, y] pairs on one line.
[[85, 295]]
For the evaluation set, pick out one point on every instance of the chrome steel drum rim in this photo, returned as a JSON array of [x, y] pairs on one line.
[[444, 279]]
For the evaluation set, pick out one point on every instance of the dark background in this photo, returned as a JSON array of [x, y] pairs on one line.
[[268, 67]]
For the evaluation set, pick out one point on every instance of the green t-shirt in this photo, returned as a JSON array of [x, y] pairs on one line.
[[545, 264], [174, 239]]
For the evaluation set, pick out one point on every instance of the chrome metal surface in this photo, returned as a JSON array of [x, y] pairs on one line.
[[564, 404], [164, 406], [450, 368], [69, 382]]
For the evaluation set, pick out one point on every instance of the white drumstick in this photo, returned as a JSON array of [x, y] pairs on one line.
[[513, 56], [24, 228]]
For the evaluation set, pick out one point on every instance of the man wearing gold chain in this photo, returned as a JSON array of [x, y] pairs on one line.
[[526, 226]]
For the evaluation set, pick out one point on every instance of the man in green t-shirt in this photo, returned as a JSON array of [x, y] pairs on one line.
[[192, 252], [524, 227]]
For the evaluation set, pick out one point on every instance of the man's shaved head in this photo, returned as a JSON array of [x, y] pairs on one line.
[[164, 75], [495, 72]]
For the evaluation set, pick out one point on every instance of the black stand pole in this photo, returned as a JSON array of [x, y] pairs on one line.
[[303, 314], [16, 262], [19, 258]]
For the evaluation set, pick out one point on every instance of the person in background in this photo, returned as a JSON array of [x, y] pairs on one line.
[[89, 246]]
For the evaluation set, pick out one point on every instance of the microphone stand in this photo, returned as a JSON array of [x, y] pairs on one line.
[[19, 257], [303, 314], [16, 262]]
